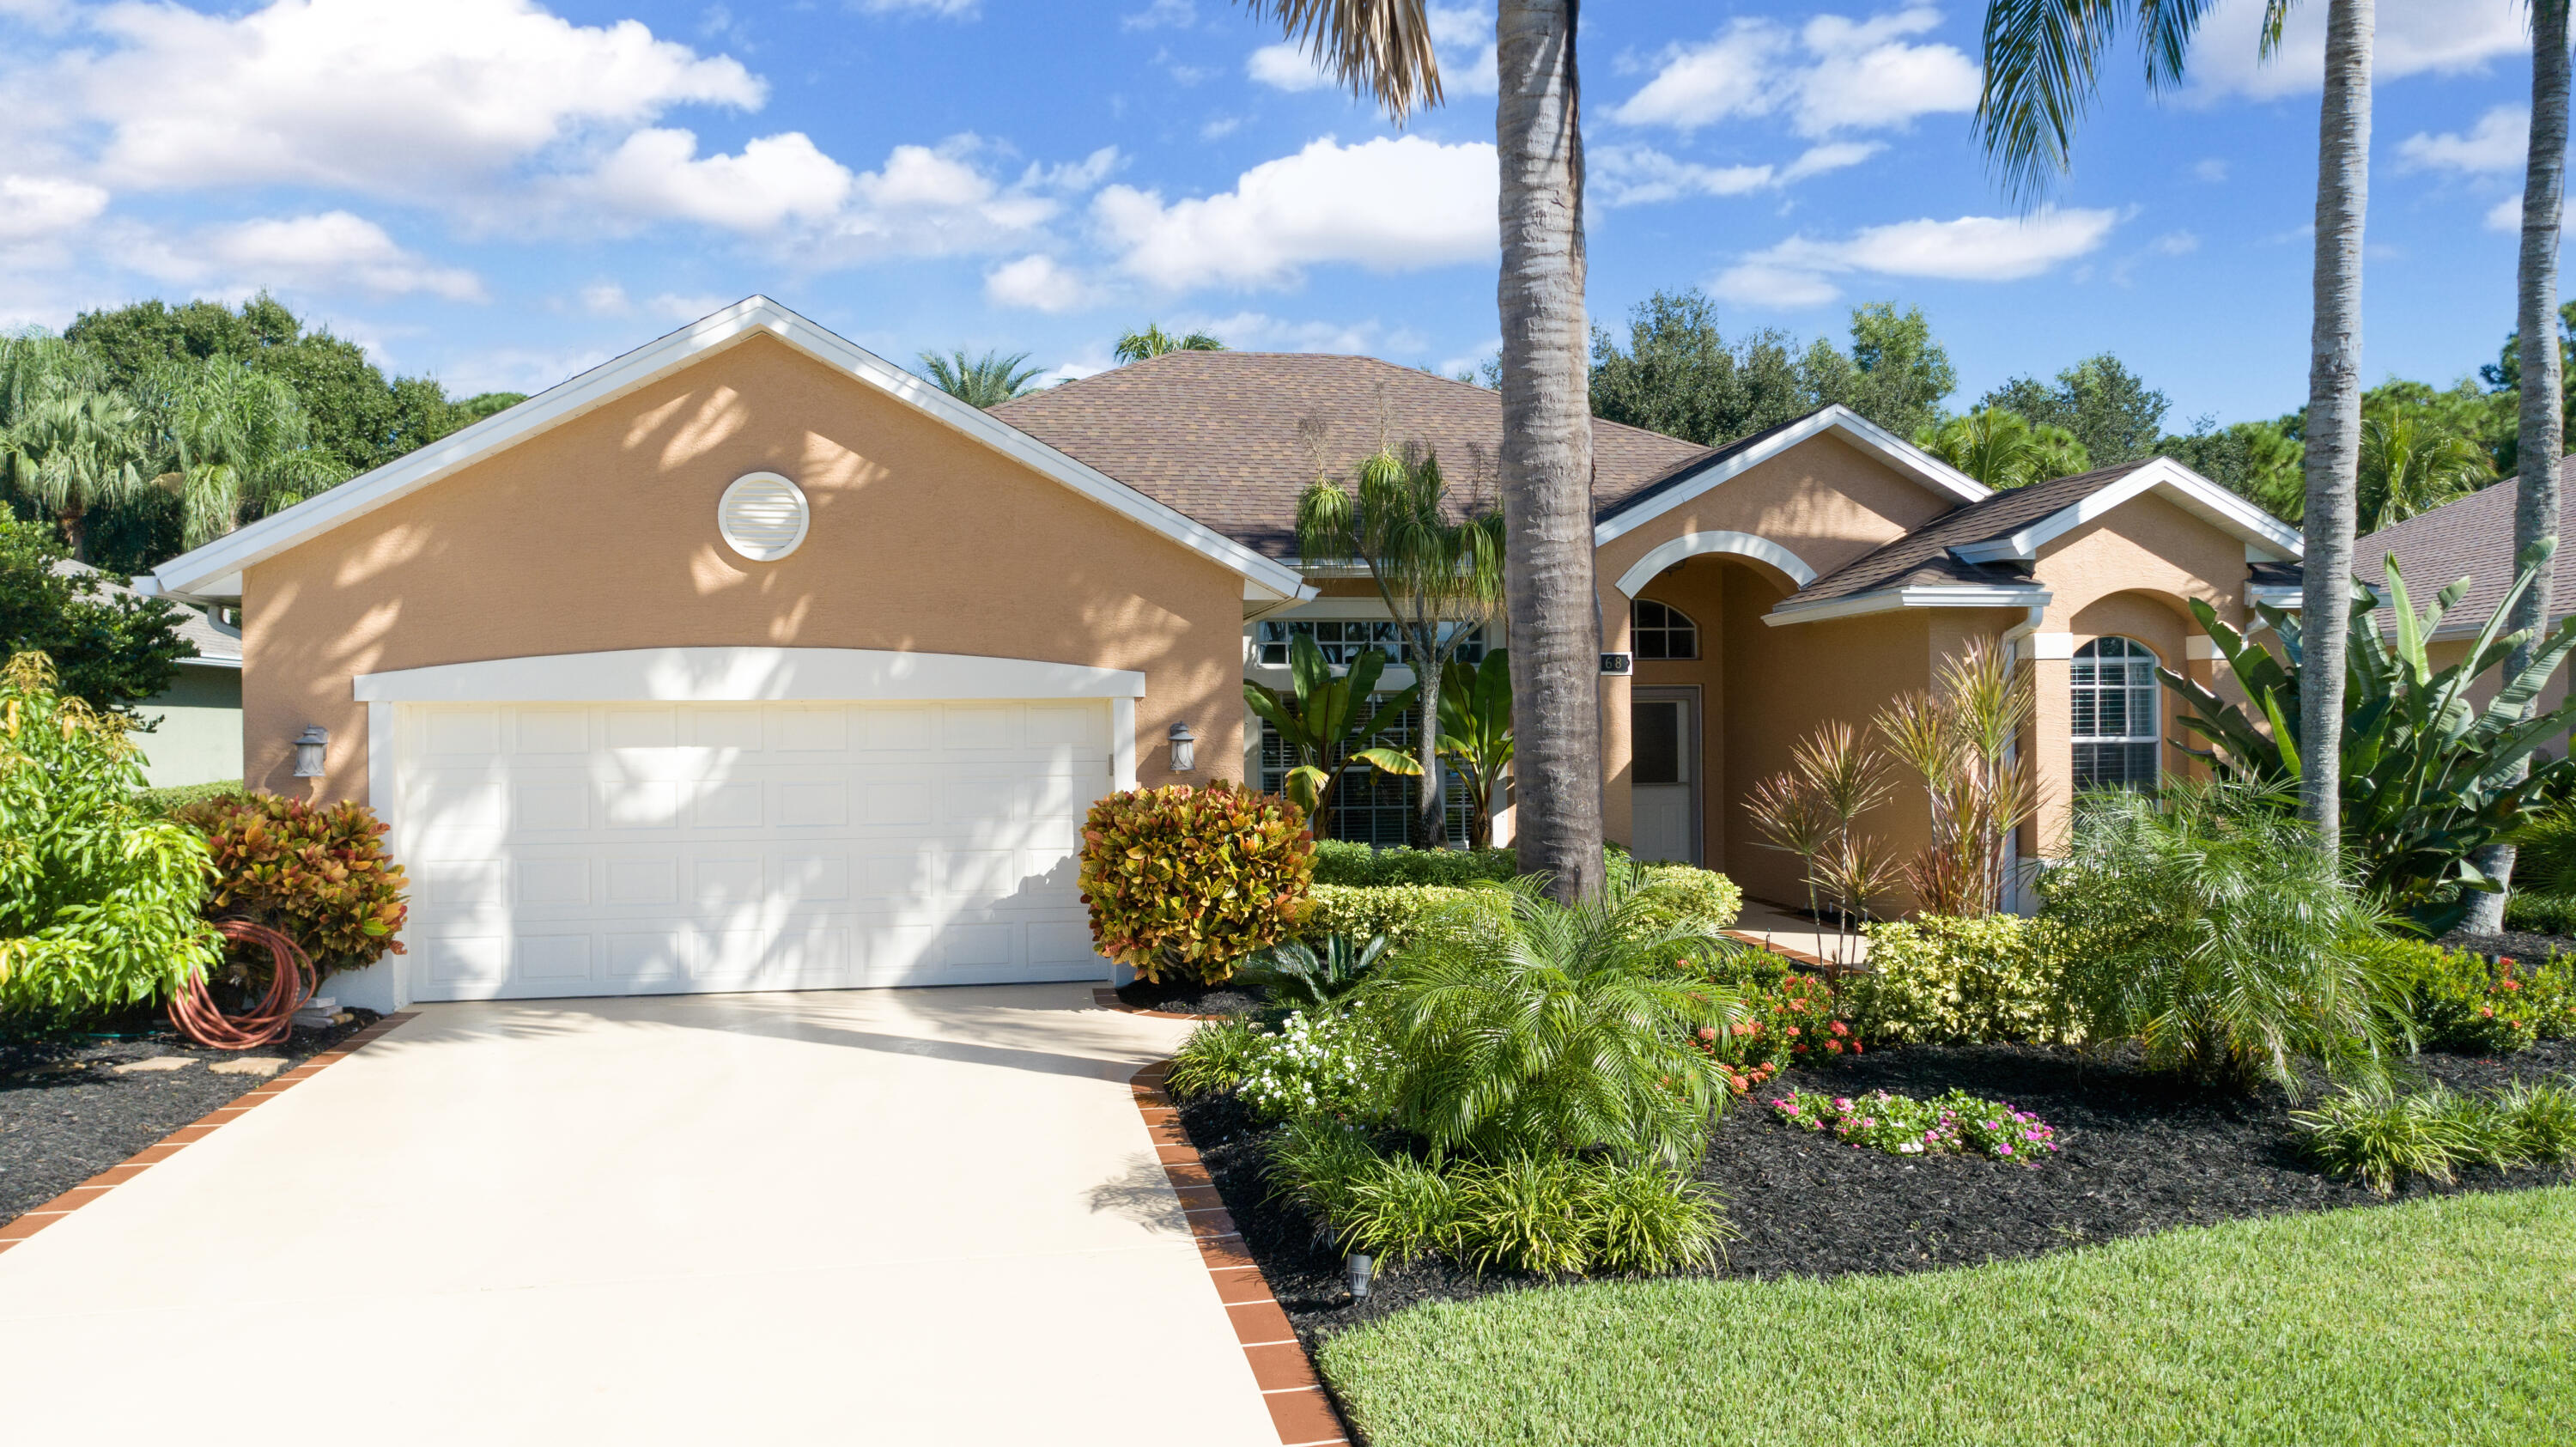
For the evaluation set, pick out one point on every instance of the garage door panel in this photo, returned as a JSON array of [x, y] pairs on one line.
[[570, 849]]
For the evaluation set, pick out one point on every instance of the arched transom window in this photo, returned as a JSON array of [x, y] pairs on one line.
[[2118, 713], [1659, 630]]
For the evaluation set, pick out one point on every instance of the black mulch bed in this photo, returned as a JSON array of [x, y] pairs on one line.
[[66, 1115], [2137, 1155], [1230, 998], [2512, 944]]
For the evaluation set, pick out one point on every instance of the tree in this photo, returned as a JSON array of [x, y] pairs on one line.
[[986, 381], [67, 443], [2540, 431], [2002, 450], [110, 650], [238, 442], [1153, 341], [2503, 376], [1899, 374], [2407, 468], [2259, 461], [1441, 576], [1328, 722], [2104, 405], [1476, 735], [1681, 377], [2042, 64]]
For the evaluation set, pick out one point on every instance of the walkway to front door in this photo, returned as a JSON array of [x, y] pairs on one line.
[[895, 1216]]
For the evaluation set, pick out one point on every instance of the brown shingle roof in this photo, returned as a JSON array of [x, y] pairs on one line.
[[1216, 434], [2471, 538], [1923, 555]]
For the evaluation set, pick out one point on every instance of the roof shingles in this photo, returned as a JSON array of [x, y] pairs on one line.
[[1922, 557], [2473, 539]]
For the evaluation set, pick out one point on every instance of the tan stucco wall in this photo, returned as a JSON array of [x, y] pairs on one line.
[[600, 534], [1697, 586]]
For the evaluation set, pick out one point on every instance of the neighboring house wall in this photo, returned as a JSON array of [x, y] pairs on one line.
[[198, 739], [601, 534]]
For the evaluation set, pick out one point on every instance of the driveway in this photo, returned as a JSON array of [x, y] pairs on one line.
[[892, 1216]]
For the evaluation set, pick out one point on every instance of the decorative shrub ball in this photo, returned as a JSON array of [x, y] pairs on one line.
[[1184, 882], [320, 875]]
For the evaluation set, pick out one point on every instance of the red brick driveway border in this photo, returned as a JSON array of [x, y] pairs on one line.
[[1295, 1396], [187, 1135]]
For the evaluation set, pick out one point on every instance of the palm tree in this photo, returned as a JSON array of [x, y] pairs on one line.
[[2042, 63], [239, 443], [1153, 341], [67, 442], [1382, 50], [1998, 447], [1440, 577], [986, 381], [2540, 438], [2408, 468]]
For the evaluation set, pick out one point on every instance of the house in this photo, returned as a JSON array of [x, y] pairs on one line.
[[196, 732], [749, 660], [2469, 538]]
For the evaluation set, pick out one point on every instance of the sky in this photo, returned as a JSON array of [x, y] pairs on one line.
[[500, 193]]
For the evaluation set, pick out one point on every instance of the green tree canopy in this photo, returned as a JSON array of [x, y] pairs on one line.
[[111, 650], [2000, 448], [2263, 462], [2107, 407], [986, 381], [1153, 341], [1680, 376]]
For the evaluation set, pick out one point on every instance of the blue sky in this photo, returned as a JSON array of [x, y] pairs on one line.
[[501, 192]]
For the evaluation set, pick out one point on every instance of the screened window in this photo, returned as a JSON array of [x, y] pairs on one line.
[[1660, 630], [1344, 639], [2118, 715], [1370, 807]]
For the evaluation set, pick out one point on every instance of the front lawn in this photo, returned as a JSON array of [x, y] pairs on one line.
[[2449, 1319]]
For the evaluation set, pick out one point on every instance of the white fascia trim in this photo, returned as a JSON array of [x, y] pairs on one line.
[[2284, 598], [1888, 600], [2198, 494], [743, 675], [207, 570], [203, 661], [1690, 545], [1868, 436]]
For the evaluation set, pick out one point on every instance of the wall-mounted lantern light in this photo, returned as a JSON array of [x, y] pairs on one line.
[[310, 746], [1185, 748]]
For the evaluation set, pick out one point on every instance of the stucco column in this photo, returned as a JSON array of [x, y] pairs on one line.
[[1617, 814], [2052, 750]]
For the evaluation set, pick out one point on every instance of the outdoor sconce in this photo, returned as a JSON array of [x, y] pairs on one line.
[[1185, 748], [1357, 1269], [310, 746]]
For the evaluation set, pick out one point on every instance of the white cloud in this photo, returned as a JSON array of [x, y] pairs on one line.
[[658, 174], [942, 201], [2500, 142], [516, 369], [1798, 271], [1473, 359], [1635, 175], [2445, 37], [385, 99], [1388, 204], [1162, 15], [1220, 128], [1831, 156], [606, 299], [2506, 215], [1260, 332], [1037, 282], [2175, 243], [1462, 39], [1834, 74], [940, 9], [333, 251], [1285, 67], [38, 206], [2212, 170]]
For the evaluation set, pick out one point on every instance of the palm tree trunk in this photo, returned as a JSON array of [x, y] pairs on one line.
[[2540, 439], [2334, 412], [1547, 447], [75, 523], [1431, 816]]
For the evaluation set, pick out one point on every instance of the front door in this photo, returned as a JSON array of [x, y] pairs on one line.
[[1664, 774]]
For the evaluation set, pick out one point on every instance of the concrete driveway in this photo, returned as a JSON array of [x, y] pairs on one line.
[[895, 1216]]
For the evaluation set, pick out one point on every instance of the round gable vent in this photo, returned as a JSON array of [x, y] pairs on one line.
[[762, 516]]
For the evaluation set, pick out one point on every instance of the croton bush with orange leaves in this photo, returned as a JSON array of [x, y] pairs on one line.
[[319, 873], [1183, 883]]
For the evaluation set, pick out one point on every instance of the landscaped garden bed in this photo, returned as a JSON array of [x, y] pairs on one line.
[[68, 1112]]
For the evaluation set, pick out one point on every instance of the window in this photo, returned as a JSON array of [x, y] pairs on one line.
[[1344, 639], [1659, 630], [1371, 807], [2117, 715]]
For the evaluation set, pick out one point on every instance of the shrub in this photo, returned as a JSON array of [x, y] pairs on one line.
[[1563, 1030], [1339, 861], [1310, 1064], [1214, 1058], [1791, 1022], [1951, 1123], [162, 803], [98, 901], [2459, 1002], [321, 876], [1687, 898], [1941, 980], [1406, 914], [2375, 1133], [1318, 974], [2540, 914], [1540, 1212], [1185, 881], [2218, 936]]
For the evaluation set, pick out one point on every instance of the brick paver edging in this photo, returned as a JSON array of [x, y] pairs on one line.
[[178, 1140], [1289, 1386], [1107, 999]]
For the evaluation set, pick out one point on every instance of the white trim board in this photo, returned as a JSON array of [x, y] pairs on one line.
[[1857, 430], [1691, 545], [1888, 600], [2193, 492], [743, 675], [214, 571]]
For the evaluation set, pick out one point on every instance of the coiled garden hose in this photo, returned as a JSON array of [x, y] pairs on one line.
[[195, 1014]]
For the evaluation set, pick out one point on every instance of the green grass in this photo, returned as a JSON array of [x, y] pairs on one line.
[[2449, 1320]]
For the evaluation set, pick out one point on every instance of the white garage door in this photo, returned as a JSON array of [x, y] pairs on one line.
[[609, 849]]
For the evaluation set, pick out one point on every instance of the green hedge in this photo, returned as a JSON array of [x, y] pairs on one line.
[[162, 803], [1339, 861], [2541, 914], [1682, 897], [1945, 981]]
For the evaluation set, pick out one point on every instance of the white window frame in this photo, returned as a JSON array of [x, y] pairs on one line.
[[2134, 656]]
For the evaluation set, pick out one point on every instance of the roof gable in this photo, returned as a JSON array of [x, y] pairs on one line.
[[1693, 477], [215, 570], [2178, 484]]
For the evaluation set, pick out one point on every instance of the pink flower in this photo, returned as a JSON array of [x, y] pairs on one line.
[[2003, 1150]]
